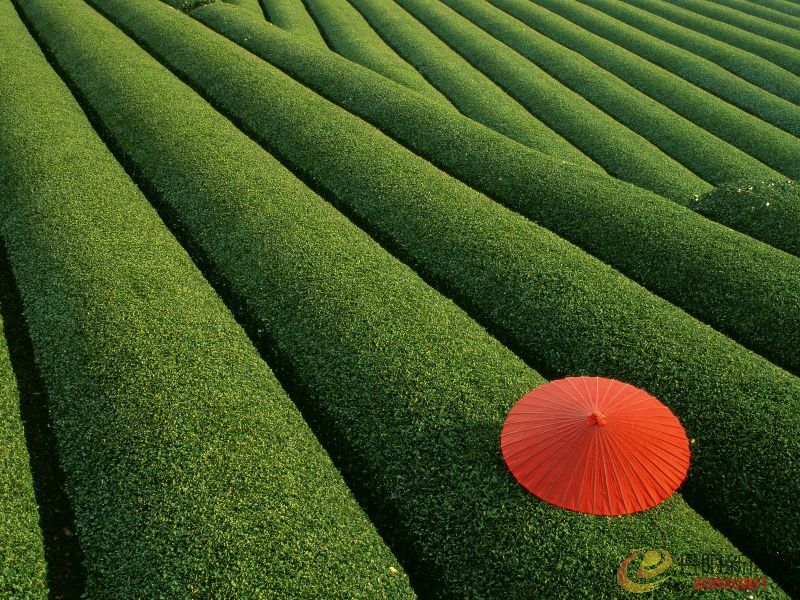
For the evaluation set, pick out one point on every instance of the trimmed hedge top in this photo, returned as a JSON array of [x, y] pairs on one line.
[[474, 94], [292, 16], [746, 65], [772, 146], [767, 210], [191, 472], [409, 391], [742, 287], [702, 72], [350, 35]]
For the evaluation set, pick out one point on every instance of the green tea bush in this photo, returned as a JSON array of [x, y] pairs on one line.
[[692, 67], [474, 94], [400, 388], [350, 35], [768, 210], [703, 153], [619, 150], [405, 387], [292, 16], [696, 264], [746, 65], [772, 146], [191, 472]]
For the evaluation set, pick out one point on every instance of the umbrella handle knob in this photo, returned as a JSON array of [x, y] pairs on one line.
[[597, 418]]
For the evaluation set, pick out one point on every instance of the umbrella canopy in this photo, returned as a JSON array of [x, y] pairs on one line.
[[595, 445]]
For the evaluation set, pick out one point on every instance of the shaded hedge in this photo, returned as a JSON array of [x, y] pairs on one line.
[[559, 308], [768, 210], [746, 65], [22, 564], [701, 266], [410, 391], [772, 146], [191, 472]]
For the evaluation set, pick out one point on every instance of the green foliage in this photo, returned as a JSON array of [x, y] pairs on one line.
[[293, 17], [703, 153], [409, 391], [774, 147], [620, 151], [771, 10], [784, 6], [408, 402], [350, 35], [767, 210], [778, 54], [707, 269], [252, 5], [187, 5], [700, 71], [22, 566], [191, 472], [474, 94], [746, 65], [789, 36]]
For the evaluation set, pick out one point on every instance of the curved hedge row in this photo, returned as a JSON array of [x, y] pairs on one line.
[[22, 563], [190, 470], [784, 6], [474, 94], [187, 5], [22, 566], [779, 54], [763, 10], [537, 291], [292, 16], [768, 210], [410, 391], [23, 572], [778, 149], [620, 151], [703, 267], [789, 36], [753, 68], [688, 66], [252, 5], [703, 153], [350, 35]]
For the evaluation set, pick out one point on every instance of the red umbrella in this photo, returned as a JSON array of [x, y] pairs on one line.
[[595, 445]]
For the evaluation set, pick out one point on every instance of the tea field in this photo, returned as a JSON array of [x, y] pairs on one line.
[[274, 272]]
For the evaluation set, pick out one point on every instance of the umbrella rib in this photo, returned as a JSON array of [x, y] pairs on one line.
[[518, 465], [620, 468], [551, 439], [644, 486], [614, 400], [642, 457], [627, 467]]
